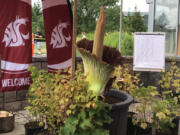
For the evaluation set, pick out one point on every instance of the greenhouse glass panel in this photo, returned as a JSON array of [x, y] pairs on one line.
[[166, 18]]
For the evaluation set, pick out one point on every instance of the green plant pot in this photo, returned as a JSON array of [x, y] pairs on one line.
[[119, 112]]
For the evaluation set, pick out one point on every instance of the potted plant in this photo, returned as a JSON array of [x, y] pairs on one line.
[[99, 62], [32, 127], [170, 89], [142, 118], [66, 104], [32, 124], [127, 81], [164, 113], [81, 105]]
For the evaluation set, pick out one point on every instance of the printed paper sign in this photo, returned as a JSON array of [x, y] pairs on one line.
[[149, 52]]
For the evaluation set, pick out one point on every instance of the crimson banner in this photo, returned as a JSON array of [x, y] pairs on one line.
[[58, 30], [15, 44]]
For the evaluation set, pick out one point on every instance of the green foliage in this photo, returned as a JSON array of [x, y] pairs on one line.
[[137, 22], [112, 39], [58, 99], [146, 97], [164, 112], [170, 81], [167, 108], [88, 11], [88, 119], [125, 80], [113, 18], [37, 18], [134, 23], [162, 104], [127, 44]]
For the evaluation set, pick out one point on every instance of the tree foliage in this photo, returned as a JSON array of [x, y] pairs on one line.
[[134, 23], [88, 11], [37, 18]]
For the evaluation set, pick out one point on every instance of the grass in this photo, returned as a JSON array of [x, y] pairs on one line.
[[111, 39]]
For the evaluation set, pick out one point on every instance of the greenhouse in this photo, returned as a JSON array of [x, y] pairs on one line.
[[164, 17]]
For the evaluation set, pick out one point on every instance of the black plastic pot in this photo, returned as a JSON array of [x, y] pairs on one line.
[[119, 112], [141, 131], [130, 127], [42, 132], [32, 130], [174, 130]]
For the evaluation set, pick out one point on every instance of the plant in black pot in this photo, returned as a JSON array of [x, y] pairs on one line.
[[99, 62], [169, 93], [67, 105], [164, 113], [82, 104], [127, 81], [142, 118]]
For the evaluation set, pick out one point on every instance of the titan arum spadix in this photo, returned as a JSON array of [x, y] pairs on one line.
[[97, 72]]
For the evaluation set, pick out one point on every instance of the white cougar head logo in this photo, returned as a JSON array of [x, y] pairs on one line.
[[12, 36], [58, 39]]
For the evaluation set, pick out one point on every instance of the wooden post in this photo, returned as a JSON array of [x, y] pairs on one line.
[[74, 37]]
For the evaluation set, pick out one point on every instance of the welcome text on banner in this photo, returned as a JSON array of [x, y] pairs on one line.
[[15, 44]]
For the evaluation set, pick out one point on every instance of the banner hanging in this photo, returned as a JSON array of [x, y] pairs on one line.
[[58, 30], [15, 44]]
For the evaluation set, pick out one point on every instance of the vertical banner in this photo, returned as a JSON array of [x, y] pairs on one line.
[[15, 44], [58, 30]]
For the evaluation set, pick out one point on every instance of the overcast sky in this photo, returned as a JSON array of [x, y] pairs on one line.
[[128, 5]]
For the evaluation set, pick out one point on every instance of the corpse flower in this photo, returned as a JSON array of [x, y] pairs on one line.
[[98, 60]]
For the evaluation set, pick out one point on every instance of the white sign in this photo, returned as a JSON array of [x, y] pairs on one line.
[[149, 52]]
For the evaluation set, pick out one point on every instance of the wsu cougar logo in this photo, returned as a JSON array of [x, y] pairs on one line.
[[12, 36], [58, 39]]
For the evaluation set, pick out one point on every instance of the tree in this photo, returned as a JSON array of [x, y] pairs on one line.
[[88, 11], [137, 22], [37, 18], [113, 18], [134, 22]]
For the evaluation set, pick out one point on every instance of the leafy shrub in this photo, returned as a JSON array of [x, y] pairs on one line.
[[125, 80], [170, 81], [59, 99], [127, 44]]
